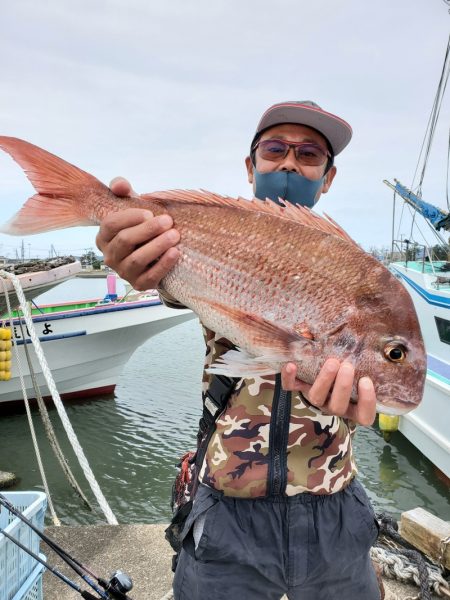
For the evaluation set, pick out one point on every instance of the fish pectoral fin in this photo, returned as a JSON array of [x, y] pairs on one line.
[[277, 345], [273, 337], [239, 363]]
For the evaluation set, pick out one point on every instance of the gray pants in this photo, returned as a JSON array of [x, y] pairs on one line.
[[308, 547]]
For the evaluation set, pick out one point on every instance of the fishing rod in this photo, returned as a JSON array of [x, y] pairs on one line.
[[115, 588], [72, 584]]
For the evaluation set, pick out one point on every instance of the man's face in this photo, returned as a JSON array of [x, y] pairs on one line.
[[292, 133]]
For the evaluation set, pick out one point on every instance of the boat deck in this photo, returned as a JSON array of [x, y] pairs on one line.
[[426, 267]]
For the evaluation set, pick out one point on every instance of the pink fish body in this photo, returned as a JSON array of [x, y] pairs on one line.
[[283, 284]]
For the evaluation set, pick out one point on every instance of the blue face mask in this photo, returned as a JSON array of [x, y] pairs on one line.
[[287, 185]]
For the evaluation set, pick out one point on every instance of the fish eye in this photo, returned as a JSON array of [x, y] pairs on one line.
[[395, 352]]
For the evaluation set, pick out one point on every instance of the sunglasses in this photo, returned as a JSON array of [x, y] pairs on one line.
[[306, 153]]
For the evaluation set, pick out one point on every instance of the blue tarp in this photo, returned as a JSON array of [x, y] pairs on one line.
[[437, 217]]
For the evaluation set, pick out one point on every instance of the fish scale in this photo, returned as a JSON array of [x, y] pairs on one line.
[[282, 283]]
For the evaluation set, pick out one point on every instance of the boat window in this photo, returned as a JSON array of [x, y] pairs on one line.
[[443, 327]]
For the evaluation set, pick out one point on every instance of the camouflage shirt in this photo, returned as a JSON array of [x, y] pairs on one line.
[[268, 441], [272, 442]]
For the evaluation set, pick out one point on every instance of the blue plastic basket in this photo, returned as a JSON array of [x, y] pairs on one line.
[[32, 588], [17, 568]]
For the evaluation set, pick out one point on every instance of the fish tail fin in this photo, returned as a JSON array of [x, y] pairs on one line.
[[60, 188]]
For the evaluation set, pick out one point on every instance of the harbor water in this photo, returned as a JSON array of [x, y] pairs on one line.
[[134, 437]]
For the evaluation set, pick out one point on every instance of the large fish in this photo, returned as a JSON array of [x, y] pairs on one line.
[[281, 283]]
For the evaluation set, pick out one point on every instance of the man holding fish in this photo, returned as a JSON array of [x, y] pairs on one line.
[[306, 335], [278, 509]]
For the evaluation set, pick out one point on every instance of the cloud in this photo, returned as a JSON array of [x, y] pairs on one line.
[[168, 94]]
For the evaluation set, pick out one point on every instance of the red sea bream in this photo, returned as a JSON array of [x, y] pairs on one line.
[[281, 283]]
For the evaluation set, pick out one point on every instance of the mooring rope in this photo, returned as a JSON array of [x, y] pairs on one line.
[[58, 403], [48, 427], [55, 519], [407, 564]]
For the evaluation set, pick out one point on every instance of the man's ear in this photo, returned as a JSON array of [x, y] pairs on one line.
[[249, 166], [329, 179]]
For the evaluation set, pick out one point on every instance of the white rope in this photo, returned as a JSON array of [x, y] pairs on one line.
[[55, 519], [48, 427], [394, 567], [59, 405]]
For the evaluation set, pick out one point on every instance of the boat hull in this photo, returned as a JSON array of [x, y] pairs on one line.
[[428, 426], [34, 284], [87, 350], [424, 426]]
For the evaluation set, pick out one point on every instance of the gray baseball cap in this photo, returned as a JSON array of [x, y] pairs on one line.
[[304, 112]]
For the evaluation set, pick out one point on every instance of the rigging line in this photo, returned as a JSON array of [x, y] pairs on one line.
[[446, 180], [400, 219], [437, 109], [432, 229], [430, 127], [413, 221]]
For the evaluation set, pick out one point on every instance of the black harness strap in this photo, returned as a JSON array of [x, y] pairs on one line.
[[214, 402]]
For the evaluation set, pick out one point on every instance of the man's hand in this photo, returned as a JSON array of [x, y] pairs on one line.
[[141, 248], [331, 391]]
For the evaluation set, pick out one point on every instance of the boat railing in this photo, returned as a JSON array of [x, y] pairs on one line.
[[405, 251]]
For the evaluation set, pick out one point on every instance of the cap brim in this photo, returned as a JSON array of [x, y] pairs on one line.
[[337, 131]]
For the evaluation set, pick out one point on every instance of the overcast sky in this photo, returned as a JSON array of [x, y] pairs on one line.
[[168, 94]]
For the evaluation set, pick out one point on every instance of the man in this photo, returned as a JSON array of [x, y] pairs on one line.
[[279, 509]]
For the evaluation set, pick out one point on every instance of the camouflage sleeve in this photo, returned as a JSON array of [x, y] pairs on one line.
[[215, 347], [169, 300]]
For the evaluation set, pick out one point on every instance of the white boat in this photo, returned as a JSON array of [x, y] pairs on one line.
[[428, 426], [424, 270], [35, 282], [87, 343]]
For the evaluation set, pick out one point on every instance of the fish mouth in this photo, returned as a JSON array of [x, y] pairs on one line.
[[397, 399], [393, 405], [390, 410]]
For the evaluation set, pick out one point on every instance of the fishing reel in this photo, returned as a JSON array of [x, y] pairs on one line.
[[118, 585]]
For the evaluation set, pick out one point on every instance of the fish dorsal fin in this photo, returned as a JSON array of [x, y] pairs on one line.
[[289, 211]]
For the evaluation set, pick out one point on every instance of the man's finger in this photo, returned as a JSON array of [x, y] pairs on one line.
[[323, 384], [342, 389], [152, 276], [364, 411], [134, 225], [122, 187], [136, 264], [288, 377]]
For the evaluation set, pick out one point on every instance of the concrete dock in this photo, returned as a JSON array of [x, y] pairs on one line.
[[139, 550]]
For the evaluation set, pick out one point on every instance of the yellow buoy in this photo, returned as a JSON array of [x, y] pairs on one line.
[[5, 333], [5, 353], [388, 424]]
